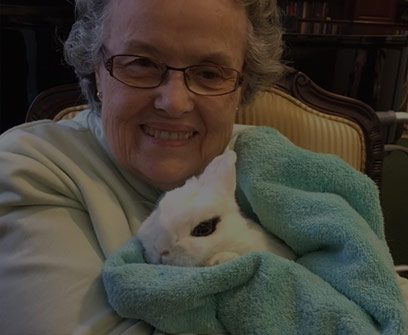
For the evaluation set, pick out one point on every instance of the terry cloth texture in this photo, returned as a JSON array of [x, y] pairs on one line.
[[342, 282]]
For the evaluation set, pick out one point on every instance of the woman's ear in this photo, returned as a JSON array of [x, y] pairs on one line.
[[98, 67], [242, 92]]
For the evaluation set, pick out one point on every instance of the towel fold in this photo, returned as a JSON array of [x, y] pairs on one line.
[[342, 282]]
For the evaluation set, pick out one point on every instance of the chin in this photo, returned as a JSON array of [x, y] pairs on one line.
[[166, 182], [164, 174]]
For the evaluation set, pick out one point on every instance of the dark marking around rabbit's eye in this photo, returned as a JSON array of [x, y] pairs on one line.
[[206, 228]]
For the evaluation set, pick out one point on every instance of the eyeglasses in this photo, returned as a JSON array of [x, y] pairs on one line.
[[143, 72]]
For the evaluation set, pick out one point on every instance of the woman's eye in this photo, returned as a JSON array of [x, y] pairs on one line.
[[142, 62], [128, 63], [206, 228], [211, 75]]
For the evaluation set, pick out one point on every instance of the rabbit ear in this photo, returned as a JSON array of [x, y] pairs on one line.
[[220, 172]]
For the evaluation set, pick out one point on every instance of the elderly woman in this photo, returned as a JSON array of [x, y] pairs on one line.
[[164, 80]]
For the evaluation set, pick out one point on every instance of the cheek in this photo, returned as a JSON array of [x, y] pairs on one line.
[[121, 115], [218, 122], [221, 115], [117, 130], [122, 104]]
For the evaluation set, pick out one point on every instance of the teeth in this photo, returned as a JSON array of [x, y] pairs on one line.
[[166, 135]]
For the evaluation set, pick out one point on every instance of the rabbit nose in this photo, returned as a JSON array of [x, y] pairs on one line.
[[163, 253]]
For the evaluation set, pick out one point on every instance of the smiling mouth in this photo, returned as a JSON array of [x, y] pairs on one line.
[[167, 135]]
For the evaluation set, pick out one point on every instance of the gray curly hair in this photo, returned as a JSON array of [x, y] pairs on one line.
[[262, 61]]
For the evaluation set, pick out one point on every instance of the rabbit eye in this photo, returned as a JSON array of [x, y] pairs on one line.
[[206, 228]]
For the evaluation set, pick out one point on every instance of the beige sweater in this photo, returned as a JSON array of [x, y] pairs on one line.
[[64, 206]]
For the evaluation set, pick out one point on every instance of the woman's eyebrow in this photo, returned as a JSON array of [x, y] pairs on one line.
[[220, 58], [140, 46], [216, 57]]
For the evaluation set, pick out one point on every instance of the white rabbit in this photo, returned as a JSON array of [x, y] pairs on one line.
[[199, 224]]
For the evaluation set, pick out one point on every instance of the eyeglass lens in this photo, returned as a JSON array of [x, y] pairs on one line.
[[143, 72]]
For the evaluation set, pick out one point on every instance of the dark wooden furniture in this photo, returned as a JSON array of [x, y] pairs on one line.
[[301, 87], [346, 17], [31, 53], [52, 101], [372, 69]]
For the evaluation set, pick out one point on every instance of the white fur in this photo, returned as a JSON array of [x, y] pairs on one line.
[[166, 233]]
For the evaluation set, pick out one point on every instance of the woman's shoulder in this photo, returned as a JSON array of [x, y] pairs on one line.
[[45, 135], [81, 122], [46, 149]]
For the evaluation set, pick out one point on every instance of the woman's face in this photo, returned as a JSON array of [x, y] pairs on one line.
[[141, 124]]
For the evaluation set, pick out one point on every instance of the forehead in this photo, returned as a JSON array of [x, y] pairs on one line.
[[179, 30]]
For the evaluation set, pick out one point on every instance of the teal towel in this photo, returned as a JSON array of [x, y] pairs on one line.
[[342, 282]]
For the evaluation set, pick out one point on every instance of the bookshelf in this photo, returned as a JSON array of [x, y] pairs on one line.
[[345, 17]]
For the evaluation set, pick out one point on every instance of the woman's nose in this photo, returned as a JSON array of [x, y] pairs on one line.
[[173, 96]]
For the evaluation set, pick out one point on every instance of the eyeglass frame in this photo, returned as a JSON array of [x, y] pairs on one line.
[[108, 64]]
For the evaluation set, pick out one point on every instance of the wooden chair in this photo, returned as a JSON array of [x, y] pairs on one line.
[[308, 115], [57, 103], [321, 121]]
